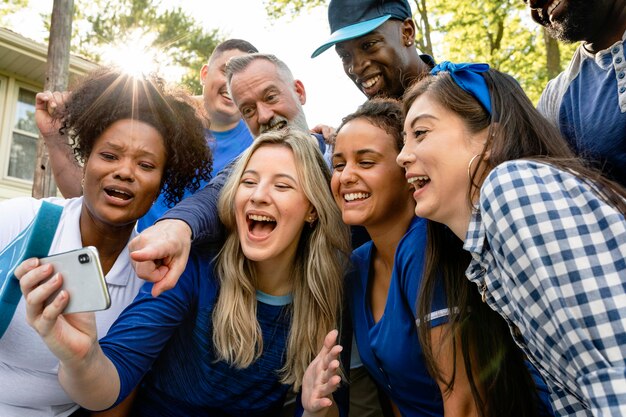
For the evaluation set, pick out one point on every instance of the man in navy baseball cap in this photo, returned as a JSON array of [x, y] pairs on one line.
[[374, 39]]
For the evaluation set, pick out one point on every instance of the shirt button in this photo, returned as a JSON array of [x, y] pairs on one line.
[[620, 75], [616, 50], [618, 60], [389, 386], [622, 89]]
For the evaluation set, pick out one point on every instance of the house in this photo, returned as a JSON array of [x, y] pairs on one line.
[[22, 76]]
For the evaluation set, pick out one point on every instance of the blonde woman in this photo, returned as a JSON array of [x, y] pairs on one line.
[[235, 333]]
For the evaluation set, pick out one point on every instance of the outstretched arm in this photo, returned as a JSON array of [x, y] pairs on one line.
[[161, 251], [85, 373], [321, 378], [67, 172]]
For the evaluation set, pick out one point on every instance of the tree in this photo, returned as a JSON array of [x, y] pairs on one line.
[[178, 35], [99, 24]]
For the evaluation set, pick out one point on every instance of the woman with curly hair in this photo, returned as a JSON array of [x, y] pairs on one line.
[[135, 137], [238, 330]]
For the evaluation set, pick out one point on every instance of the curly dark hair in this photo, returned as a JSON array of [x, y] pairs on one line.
[[107, 95], [384, 113]]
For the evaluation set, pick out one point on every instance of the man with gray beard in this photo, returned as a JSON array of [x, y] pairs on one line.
[[266, 93]]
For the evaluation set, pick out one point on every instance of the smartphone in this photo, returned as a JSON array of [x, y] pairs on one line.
[[82, 279]]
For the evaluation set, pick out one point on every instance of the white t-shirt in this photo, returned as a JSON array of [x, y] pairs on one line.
[[28, 371]]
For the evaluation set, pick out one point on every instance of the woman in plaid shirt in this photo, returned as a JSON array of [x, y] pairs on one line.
[[546, 234]]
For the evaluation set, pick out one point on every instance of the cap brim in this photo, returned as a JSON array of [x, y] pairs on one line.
[[351, 32]]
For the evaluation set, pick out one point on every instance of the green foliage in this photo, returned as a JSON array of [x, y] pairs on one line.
[[99, 25], [498, 32], [183, 42], [279, 8], [8, 7]]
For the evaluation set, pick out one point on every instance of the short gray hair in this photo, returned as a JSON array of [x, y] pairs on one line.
[[237, 64]]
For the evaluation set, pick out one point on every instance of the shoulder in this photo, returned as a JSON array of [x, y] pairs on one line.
[[519, 183], [529, 194], [550, 99], [17, 214]]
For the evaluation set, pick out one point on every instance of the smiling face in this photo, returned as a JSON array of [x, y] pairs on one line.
[[270, 207], [217, 102], [367, 184], [380, 62], [437, 151], [568, 20], [266, 99], [123, 173]]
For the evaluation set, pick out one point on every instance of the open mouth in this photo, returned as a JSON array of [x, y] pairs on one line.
[[552, 8], [370, 82], [355, 196], [224, 93], [419, 181], [260, 225], [273, 125], [119, 194], [547, 13]]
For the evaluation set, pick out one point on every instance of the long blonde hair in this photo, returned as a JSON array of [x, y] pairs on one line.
[[318, 272]]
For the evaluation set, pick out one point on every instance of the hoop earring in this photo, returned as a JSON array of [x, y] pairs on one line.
[[469, 176], [469, 168]]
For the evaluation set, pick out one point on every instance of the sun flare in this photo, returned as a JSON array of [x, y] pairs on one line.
[[135, 54]]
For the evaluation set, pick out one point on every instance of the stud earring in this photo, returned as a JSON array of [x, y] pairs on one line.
[[409, 43]]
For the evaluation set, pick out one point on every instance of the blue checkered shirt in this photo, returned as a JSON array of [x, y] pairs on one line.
[[549, 256]]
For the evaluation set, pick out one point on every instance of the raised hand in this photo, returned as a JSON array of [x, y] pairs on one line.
[[47, 104], [322, 378]]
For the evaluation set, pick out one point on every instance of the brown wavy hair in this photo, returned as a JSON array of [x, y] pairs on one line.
[[500, 382]]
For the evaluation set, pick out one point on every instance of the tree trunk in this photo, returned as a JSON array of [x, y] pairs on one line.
[[423, 26], [57, 75], [553, 55]]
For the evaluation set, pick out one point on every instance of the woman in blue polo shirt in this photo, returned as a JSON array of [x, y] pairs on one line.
[[383, 288]]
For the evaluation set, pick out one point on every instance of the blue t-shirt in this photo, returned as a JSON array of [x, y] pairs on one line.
[[169, 340], [587, 102], [225, 147], [390, 348]]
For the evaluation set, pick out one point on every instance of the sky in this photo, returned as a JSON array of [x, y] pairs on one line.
[[330, 93]]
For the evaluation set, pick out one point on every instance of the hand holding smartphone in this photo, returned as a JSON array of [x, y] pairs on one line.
[[83, 279]]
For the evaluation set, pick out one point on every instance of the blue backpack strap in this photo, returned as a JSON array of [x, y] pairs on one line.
[[34, 241]]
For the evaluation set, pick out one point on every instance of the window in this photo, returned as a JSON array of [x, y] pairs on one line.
[[24, 137]]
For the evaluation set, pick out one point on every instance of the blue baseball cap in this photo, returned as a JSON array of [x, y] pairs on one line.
[[349, 19]]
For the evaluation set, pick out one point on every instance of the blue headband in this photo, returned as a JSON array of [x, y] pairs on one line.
[[467, 76]]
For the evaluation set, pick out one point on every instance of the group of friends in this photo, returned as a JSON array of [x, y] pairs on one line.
[[448, 250]]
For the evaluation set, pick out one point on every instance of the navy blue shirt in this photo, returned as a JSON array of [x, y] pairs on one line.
[[390, 348], [169, 340]]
